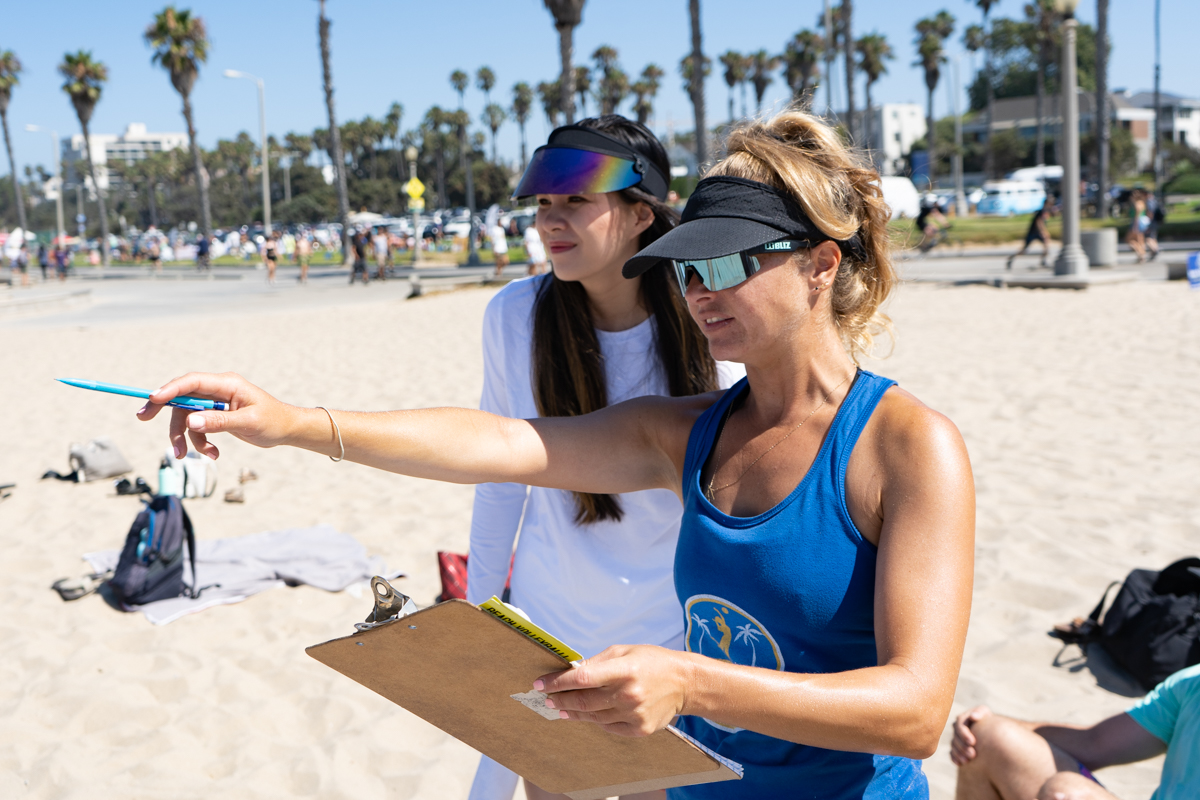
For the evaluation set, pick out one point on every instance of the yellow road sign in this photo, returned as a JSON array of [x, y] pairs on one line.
[[414, 187], [416, 204]]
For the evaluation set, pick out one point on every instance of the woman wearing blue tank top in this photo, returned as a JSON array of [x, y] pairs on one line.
[[825, 554]]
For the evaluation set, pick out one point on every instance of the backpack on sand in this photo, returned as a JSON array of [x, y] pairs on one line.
[[1152, 628], [151, 563]]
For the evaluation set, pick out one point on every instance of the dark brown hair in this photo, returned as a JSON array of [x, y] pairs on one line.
[[568, 368]]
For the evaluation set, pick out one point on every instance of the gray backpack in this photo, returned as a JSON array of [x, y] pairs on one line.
[[151, 563]]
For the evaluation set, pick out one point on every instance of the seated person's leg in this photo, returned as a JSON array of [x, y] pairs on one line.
[[1011, 762], [1073, 786]]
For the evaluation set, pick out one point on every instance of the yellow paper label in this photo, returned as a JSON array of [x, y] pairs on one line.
[[504, 612]]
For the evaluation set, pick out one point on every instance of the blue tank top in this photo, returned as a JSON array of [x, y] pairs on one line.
[[790, 589]]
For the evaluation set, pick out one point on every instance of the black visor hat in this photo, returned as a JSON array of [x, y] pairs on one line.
[[728, 215], [579, 160]]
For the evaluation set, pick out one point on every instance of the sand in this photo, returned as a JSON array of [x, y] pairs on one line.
[[1078, 409]]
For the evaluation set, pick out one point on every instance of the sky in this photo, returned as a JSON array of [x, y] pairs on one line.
[[402, 50]]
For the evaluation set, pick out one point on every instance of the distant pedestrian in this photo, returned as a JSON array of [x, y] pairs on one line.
[[203, 247], [270, 256], [22, 263], [499, 248], [1037, 232], [382, 249], [1154, 218], [1138, 224], [43, 260], [156, 257], [303, 252], [358, 244], [62, 259], [535, 250]]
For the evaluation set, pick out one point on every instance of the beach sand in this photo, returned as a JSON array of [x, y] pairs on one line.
[[1079, 410]]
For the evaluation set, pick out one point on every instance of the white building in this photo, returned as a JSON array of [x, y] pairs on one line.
[[133, 145], [893, 129], [1180, 116]]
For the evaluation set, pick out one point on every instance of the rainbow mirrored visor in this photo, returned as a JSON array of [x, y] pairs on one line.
[[565, 170]]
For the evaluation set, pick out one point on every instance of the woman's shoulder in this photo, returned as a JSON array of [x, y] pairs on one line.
[[517, 298], [904, 430]]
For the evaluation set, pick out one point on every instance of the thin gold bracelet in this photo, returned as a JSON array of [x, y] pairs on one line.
[[338, 431]]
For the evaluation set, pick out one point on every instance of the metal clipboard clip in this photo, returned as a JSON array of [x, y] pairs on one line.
[[390, 605]]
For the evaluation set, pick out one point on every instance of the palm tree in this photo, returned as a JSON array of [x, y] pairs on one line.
[[848, 49], [646, 89], [1103, 133], [335, 135], [180, 44], [85, 81], [567, 14], [435, 119], [702, 623], [735, 72], [521, 106], [932, 33], [550, 94], [1040, 16], [800, 58], [873, 50], [762, 64], [391, 129], [583, 86], [493, 117], [10, 68], [990, 158], [485, 81], [613, 86], [700, 67], [831, 22], [459, 80]]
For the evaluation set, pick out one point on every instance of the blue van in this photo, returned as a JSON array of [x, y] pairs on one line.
[[1007, 198]]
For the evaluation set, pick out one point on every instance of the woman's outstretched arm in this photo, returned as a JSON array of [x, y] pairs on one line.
[[628, 447]]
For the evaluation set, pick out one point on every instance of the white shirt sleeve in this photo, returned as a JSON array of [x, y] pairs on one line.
[[496, 516]]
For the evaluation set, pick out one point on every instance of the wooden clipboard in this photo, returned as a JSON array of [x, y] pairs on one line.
[[457, 667]]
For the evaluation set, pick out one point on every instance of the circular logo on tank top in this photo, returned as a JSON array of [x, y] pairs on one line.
[[720, 629]]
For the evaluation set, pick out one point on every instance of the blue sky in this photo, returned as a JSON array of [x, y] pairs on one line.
[[401, 50]]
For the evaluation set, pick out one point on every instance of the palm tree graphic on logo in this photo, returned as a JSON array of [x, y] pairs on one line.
[[703, 623], [747, 633]]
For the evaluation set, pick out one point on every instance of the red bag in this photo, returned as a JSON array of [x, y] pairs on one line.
[[452, 569]]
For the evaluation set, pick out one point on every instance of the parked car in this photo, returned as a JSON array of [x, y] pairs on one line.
[[1008, 198]]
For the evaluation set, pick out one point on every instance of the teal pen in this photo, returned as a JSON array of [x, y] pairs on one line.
[[188, 403]]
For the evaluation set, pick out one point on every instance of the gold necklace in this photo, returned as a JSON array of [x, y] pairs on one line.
[[712, 493]]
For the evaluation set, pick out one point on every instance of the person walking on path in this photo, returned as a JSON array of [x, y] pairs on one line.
[[383, 250], [499, 247], [1000, 758], [825, 555], [62, 259], [203, 247], [303, 255], [270, 255], [1138, 223], [43, 257], [534, 250], [358, 246], [1038, 232], [586, 326], [1154, 218], [22, 263]]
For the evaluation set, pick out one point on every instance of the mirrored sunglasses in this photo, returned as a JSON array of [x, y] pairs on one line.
[[725, 272]]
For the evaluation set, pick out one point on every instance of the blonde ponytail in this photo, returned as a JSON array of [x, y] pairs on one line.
[[798, 153]]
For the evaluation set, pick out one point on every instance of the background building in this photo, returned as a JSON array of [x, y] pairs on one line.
[[893, 129], [133, 145], [1180, 116]]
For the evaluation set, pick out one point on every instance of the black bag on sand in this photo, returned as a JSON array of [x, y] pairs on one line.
[[151, 563], [1152, 628]]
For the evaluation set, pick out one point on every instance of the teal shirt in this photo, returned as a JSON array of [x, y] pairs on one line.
[[1172, 713]]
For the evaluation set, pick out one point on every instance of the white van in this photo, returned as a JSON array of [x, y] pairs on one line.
[[1007, 198], [901, 196]]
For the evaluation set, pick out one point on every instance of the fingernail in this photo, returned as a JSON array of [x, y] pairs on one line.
[[142, 410], [195, 422], [563, 715], [539, 685], [179, 452], [550, 703]]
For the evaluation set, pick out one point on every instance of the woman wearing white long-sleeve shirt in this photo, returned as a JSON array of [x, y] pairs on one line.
[[590, 569]]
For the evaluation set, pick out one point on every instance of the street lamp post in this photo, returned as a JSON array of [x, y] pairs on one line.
[[1071, 259], [262, 132], [58, 202]]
